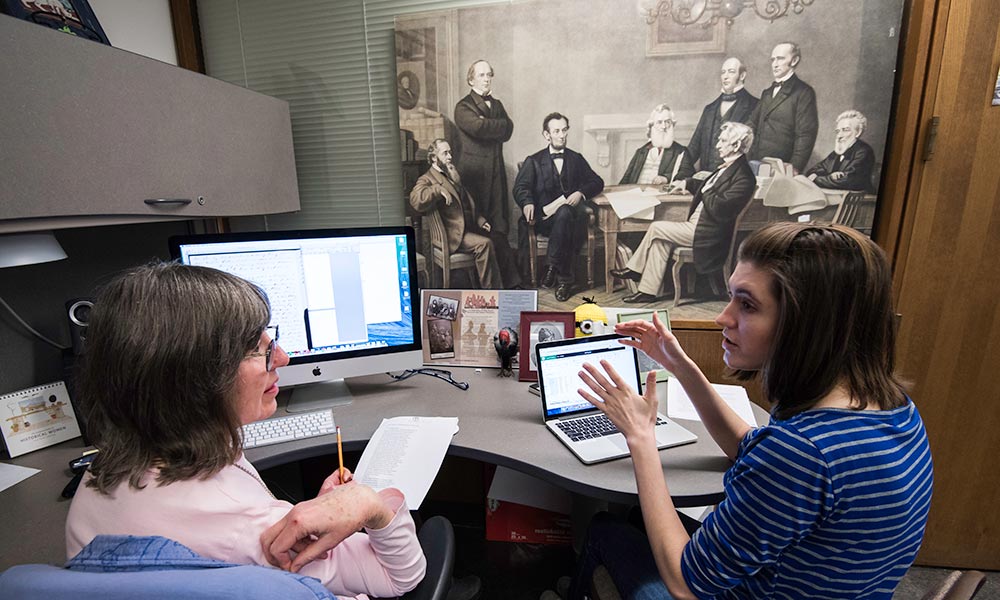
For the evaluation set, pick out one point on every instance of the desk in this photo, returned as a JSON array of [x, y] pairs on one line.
[[499, 422], [673, 207]]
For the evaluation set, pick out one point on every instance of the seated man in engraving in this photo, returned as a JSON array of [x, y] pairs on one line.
[[658, 160], [551, 190], [850, 165], [441, 189], [717, 202]]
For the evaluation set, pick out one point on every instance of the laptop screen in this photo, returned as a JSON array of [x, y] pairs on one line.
[[559, 365]]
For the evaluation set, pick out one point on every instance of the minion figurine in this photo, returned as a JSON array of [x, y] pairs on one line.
[[590, 319]]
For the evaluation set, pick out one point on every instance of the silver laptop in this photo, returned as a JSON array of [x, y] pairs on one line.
[[582, 427]]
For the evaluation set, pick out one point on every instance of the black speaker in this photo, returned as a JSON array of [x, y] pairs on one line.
[[78, 311]]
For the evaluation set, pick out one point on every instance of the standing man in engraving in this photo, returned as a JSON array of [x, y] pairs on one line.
[[483, 127], [734, 104], [785, 121]]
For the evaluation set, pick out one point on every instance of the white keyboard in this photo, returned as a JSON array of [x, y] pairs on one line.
[[286, 429]]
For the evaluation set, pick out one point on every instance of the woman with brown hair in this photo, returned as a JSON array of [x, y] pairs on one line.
[[178, 359], [829, 499]]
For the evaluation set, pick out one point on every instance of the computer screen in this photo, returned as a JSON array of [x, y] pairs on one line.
[[341, 298]]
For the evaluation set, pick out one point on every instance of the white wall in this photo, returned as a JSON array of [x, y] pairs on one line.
[[140, 26]]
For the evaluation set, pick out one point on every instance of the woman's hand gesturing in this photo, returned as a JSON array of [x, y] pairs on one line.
[[655, 340], [632, 414]]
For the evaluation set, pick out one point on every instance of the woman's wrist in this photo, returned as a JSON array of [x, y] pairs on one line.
[[641, 438], [389, 502], [685, 367], [381, 518]]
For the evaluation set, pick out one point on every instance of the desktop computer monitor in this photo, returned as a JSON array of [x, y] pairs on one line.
[[342, 299]]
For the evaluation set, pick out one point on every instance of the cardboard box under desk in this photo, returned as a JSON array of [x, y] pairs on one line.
[[512, 522], [520, 508]]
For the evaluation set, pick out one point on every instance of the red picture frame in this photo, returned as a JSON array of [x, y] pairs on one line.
[[540, 326]]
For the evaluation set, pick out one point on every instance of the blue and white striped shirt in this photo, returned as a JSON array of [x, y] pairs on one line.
[[830, 503]]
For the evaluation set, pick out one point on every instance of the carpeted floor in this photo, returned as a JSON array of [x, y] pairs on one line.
[[919, 580]]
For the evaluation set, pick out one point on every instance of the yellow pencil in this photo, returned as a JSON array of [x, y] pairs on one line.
[[340, 455]]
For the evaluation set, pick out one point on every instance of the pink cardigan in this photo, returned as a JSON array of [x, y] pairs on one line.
[[223, 516]]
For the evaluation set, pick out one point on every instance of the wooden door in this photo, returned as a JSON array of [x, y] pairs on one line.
[[947, 275]]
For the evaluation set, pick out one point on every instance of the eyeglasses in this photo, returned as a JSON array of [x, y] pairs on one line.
[[269, 352]]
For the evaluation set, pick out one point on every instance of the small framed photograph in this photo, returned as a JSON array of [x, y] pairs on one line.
[[647, 364], [441, 338], [74, 17], [440, 307], [541, 326]]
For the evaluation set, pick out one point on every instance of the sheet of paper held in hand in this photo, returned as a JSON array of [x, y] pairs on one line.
[[634, 203], [406, 453], [550, 209], [679, 404]]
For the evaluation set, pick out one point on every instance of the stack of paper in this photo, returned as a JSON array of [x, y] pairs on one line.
[[406, 453], [634, 203], [798, 194], [679, 404]]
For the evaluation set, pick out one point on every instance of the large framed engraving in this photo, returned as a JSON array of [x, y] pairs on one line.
[[641, 102]]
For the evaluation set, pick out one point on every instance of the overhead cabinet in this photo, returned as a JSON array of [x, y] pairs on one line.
[[90, 134]]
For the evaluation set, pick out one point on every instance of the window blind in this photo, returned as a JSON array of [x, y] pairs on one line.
[[333, 61]]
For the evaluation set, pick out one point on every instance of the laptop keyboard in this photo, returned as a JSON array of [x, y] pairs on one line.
[[594, 426]]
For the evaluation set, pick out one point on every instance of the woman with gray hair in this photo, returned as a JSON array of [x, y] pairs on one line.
[[178, 359]]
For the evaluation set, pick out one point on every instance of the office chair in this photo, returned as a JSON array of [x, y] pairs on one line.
[[207, 579], [437, 539]]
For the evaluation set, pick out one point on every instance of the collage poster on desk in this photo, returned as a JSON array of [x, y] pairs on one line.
[[458, 325], [618, 113], [37, 417]]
